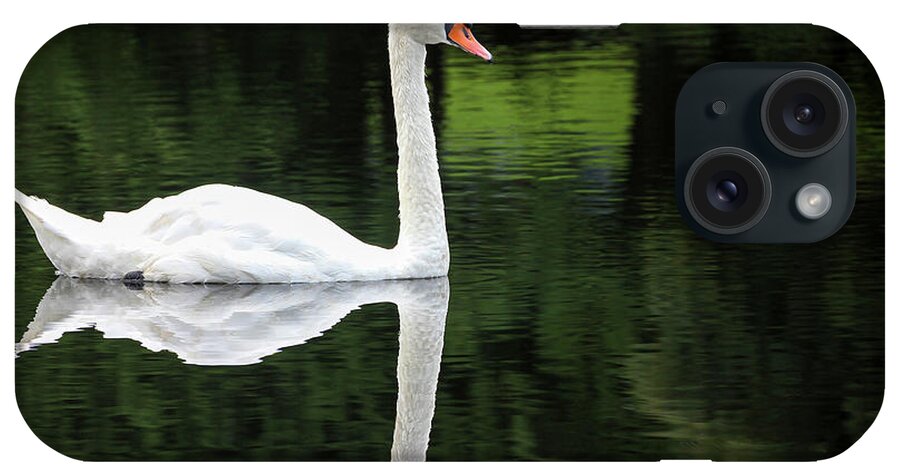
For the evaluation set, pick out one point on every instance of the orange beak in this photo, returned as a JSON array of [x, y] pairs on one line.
[[461, 36]]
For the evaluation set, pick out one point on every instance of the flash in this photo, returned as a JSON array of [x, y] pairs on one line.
[[813, 201]]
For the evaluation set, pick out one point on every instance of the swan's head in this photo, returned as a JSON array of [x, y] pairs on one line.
[[456, 34]]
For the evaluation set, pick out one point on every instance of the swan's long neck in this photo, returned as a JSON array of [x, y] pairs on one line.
[[423, 231]]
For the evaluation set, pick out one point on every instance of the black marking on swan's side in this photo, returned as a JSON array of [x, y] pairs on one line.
[[134, 280]]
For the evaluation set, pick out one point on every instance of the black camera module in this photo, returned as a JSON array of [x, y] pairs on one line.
[[804, 113], [727, 190], [779, 166]]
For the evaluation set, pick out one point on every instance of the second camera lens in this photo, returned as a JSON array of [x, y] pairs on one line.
[[804, 113]]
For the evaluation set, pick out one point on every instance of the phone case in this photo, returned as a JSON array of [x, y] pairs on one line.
[[581, 318]]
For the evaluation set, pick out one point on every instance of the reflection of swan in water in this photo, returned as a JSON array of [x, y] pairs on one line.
[[239, 325]]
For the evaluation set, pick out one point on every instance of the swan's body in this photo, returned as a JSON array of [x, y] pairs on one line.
[[215, 233], [221, 233]]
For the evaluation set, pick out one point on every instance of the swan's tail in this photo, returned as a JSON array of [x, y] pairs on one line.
[[62, 235]]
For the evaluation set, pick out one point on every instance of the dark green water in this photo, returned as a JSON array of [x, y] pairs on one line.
[[585, 320]]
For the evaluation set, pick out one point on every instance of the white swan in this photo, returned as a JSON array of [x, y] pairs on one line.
[[241, 325], [226, 234]]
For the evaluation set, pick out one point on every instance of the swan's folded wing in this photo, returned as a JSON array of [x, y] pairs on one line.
[[221, 233], [244, 217]]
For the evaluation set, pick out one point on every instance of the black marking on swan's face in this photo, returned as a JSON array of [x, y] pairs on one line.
[[449, 26]]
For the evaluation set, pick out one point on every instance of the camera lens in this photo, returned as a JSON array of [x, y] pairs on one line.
[[727, 190], [804, 113]]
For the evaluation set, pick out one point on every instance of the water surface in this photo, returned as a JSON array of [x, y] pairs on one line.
[[585, 321]]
